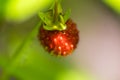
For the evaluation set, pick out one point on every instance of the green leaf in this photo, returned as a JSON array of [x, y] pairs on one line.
[[67, 15], [20, 10]]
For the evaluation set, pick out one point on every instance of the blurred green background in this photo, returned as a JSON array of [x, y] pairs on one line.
[[18, 36]]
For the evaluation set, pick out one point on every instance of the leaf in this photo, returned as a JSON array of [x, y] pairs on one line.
[[20, 10], [67, 15]]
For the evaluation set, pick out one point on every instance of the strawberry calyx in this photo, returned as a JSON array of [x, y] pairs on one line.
[[54, 19]]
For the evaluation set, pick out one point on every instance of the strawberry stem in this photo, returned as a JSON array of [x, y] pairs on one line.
[[55, 12]]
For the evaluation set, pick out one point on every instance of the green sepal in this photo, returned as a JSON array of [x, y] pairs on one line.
[[67, 15], [61, 19], [54, 19], [58, 26], [46, 17]]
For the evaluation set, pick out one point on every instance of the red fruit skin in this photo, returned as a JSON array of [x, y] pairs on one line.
[[60, 42]]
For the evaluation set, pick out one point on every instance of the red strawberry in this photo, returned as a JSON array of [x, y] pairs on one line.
[[60, 42]]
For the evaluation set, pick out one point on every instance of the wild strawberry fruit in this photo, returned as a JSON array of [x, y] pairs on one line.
[[60, 42]]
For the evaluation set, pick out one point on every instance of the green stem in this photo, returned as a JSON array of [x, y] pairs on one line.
[[55, 11], [19, 52], [26, 42]]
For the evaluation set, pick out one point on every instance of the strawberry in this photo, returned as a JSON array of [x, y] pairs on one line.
[[58, 33], [60, 42]]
